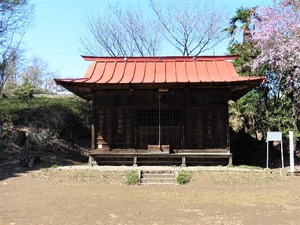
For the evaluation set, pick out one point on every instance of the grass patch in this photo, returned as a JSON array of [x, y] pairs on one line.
[[238, 179], [249, 167], [183, 177], [132, 178], [54, 166]]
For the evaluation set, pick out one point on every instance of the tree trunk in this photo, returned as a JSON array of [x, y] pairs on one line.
[[295, 112]]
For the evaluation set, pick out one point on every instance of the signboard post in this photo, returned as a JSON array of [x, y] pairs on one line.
[[292, 162], [274, 136]]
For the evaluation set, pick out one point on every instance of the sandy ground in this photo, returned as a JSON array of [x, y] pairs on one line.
[[95, 196]]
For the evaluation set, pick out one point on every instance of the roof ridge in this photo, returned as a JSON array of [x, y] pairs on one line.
[[160, 58]]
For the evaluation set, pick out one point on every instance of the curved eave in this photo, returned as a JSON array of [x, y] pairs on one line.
[[236, 88]]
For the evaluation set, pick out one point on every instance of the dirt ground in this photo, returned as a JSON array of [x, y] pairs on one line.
[[83, 196]]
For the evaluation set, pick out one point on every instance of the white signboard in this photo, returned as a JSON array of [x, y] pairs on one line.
[[274, 136]]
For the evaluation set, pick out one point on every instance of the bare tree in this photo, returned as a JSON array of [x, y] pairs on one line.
[[189, 26], [15, 17], [121, 32], [38, 74], [8, 66]]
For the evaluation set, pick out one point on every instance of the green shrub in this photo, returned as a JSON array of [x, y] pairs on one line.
[[132, 178], [62, 117], [24, 92], [183, 177]]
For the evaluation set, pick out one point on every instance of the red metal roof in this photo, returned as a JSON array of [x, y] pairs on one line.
[[158, 70], [111, 73]]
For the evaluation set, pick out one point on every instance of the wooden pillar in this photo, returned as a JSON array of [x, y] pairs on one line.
[[228, 128], [93, 120], [93, 136]]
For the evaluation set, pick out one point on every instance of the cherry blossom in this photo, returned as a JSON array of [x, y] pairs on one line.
[[277, 36]]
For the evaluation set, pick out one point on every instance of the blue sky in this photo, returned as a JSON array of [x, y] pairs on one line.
[[58, 25]]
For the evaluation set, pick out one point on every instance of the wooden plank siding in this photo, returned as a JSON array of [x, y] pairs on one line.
[[190, 119]]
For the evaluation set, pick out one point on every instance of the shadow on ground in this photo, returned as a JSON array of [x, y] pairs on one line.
[[252, 152], [16, 159]]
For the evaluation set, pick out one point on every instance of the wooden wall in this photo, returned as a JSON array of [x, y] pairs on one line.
[[190, 119]]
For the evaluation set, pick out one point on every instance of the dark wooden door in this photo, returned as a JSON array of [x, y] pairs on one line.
[[193, 129], [205, 128], [170, 127], [215, 128]]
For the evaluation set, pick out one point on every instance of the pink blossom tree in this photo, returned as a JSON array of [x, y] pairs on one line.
[[277, 36]]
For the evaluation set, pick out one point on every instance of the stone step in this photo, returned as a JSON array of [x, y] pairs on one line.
[[158, 177], [158, 172], [164, 176], [158, 180]]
